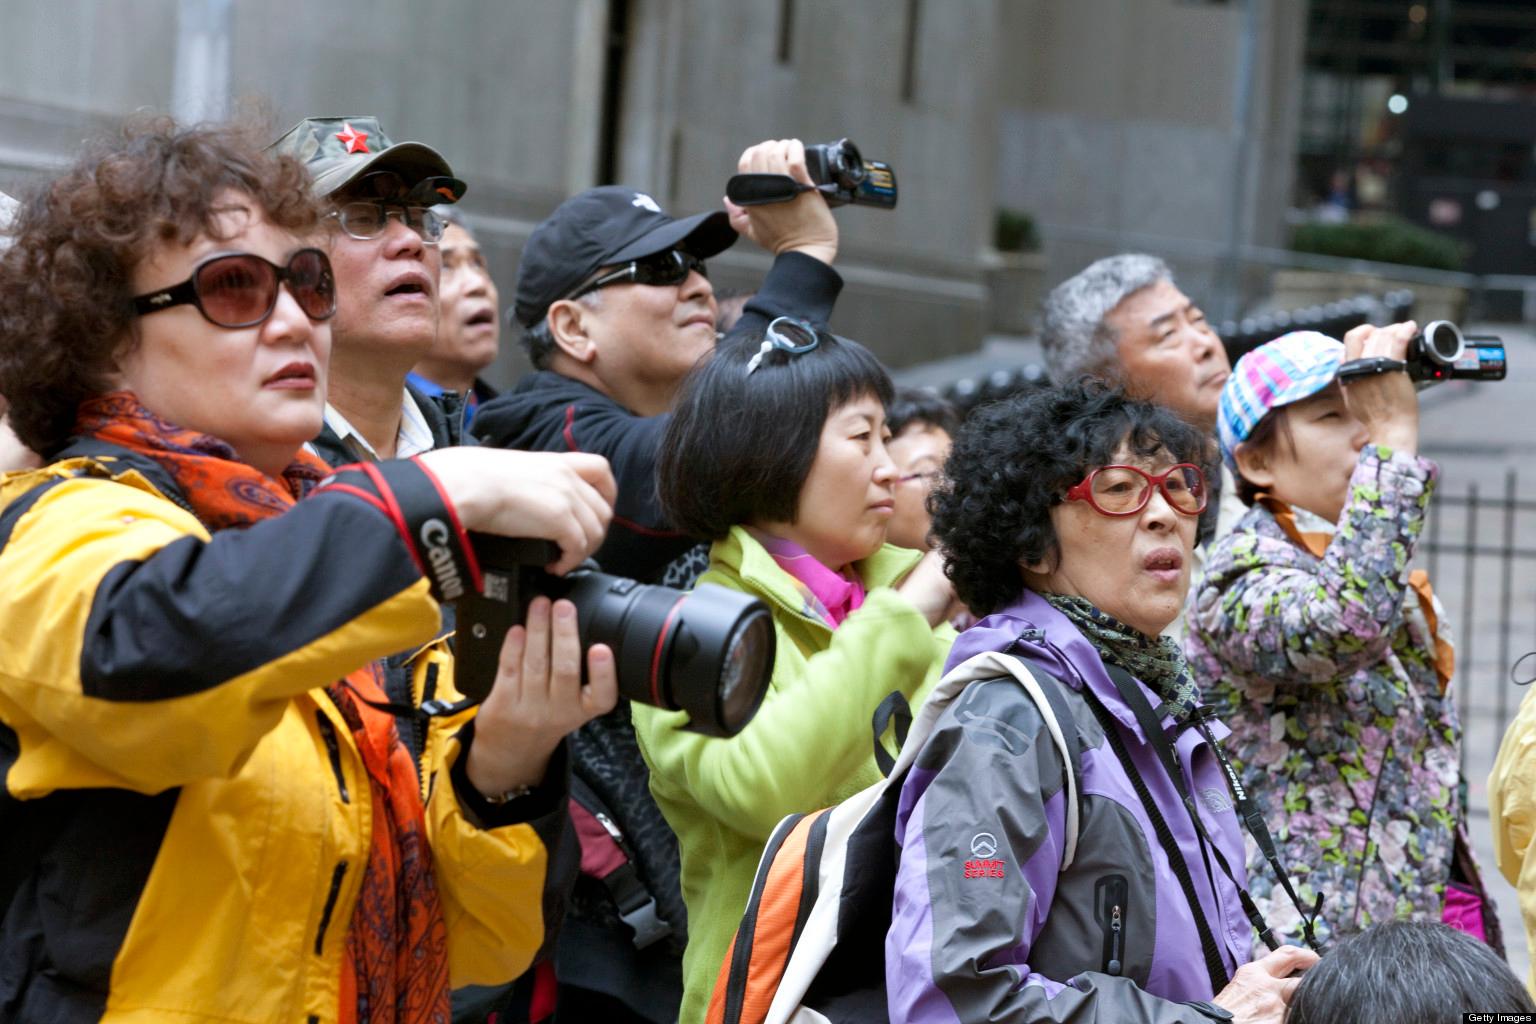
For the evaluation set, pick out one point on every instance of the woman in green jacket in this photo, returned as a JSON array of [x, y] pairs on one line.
[[777, 452]]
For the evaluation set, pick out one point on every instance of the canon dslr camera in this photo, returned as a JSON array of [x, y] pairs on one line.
[[708, 651]]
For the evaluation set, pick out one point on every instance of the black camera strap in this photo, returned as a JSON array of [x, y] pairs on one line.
[[1371, 366], [1215, 966], [1248, 810], [408, 493]]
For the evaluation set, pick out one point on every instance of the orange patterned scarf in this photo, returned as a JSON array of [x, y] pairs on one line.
[[223, 491], [1316, 542], [396, 967]]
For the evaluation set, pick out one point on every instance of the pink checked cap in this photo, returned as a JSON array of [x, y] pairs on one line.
[[1292, 367]]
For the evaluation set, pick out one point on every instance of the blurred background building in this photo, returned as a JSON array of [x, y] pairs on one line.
[[1028, 136]]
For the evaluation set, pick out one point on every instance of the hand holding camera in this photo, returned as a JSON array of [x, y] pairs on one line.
[[803, 223], [540, 694], [1386, 403], [564, 498]]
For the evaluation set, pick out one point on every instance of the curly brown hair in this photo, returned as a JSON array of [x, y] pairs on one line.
[[65, 282]]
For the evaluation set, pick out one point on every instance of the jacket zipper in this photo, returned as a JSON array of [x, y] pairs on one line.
[[337, 874], [1186, 881], [333, 748], [1112, 895]]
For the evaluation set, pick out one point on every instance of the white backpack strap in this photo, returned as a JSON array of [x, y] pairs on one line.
[[991, 665]]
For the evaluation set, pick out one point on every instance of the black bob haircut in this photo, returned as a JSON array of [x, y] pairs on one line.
[[738, 447], [921, 406], [1407, 972], [1014, 459]]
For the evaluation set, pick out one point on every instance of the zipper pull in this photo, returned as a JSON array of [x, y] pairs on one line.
[[1116, 940]]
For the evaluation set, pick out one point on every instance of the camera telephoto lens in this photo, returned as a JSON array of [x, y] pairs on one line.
[[708, 652]]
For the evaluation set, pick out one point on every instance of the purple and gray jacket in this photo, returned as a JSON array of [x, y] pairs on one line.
[[985, 923]]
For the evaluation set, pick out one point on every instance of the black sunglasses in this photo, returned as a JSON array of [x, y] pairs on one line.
[[240, 289], [668, 267]]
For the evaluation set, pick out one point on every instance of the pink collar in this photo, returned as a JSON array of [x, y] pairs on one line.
[[827, 595]]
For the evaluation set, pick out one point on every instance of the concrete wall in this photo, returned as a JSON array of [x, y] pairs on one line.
[[914, 291], [1114, 115], [1118, 119]]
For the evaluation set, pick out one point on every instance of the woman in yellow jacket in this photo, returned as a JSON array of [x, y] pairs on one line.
[[1512, 810], [208, 814]]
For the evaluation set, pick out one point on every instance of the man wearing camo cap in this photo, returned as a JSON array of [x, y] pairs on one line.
[[384, 236]]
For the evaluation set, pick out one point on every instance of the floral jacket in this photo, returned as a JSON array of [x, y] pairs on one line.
[[1324, 669]]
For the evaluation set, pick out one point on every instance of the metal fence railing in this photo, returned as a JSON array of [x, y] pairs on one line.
[[1480, 558]]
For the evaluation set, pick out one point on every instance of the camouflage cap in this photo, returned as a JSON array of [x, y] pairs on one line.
[[339, 150]]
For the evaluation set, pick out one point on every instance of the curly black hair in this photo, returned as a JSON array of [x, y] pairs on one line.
[[1012, 460]]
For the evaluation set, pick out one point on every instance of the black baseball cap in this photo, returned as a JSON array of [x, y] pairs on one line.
[[599, 228]]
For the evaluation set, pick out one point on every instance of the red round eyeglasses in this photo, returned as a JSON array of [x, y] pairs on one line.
[[1125, 490]]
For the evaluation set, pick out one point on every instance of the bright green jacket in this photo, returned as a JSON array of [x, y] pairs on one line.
[[808, 747]]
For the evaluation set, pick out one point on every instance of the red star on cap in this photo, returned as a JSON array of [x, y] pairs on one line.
[[354, 140]]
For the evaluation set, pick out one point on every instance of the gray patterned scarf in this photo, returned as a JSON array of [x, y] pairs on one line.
[[1156, 661]]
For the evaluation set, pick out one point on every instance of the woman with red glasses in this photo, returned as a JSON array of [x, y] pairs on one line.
[[208, 811], [1067, 518]]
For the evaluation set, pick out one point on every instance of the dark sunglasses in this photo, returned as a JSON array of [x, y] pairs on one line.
[[240, 289], [1125, 490], [668, 267]]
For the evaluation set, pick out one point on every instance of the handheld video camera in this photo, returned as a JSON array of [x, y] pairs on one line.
[[1438, 353], [840, 172], [708, 652]]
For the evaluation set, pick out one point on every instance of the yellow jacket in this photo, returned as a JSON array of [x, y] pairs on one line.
[[1512, 812], [181, 812]]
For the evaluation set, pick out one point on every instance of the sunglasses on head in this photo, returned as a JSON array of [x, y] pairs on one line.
[[240, 289], [668, 267], [785, 334]]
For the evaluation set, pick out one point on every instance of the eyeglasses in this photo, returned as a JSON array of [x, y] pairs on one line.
[[366, 219], [1125, 490], [240, 289], [668, 267], [787, 334]]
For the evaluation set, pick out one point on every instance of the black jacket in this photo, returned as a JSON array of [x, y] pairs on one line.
[[444, 414], [552, 413]]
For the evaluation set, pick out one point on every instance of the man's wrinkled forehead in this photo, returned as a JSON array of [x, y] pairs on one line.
[[1161, 304]]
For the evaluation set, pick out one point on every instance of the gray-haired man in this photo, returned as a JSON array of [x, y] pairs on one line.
[[1123, 320]]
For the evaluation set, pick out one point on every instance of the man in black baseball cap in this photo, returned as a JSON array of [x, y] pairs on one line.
[[383, 245], [616, 307]]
